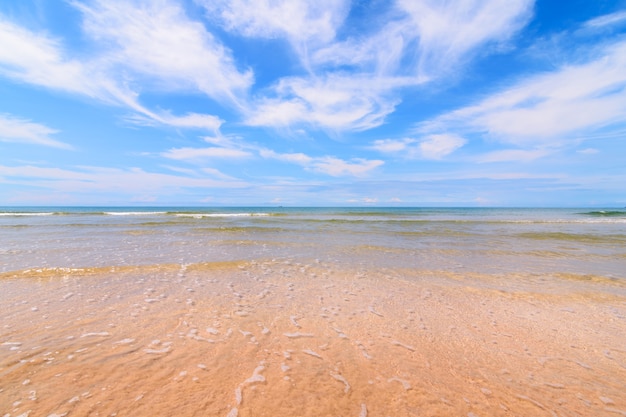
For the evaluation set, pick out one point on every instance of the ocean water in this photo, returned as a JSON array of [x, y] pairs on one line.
[[240, 312], [573, 241]]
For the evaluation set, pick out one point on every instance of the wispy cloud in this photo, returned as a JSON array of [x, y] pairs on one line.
[[606, 20], [39, 59], [438, 146], [419, 42], [377, 53], [393, 145], [295, 158], [328, 165], [337, 167], [425, 40], [201, 172], [13, 129], [198, 154], [157, 39], [299, 21], [448, 32], [551, 108], [435, 146], [139, 44], [189, 59], [189, 121], [93, 179], [335, 102]]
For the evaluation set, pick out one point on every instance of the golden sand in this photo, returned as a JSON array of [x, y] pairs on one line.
[[286, 339]]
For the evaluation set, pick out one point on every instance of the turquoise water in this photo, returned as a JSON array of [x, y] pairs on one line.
[[486, 240]]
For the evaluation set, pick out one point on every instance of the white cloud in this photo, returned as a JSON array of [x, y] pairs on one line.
[[218, 174], [378, 53], [430, 147], [189, 121], [203, 153], [157, 39], [296, 20], [295, 158], [334, 102], [40, 60], [438, 146], [420, 41], [193, 120], [607, 20], [424, 39], [277, 112], [392, 145], [328, 165], [325, 98], [549, 108], [18, 130], [448, 31], [336, 167], [213, 172]]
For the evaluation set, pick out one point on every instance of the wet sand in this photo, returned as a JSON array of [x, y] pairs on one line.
[[286, 339]]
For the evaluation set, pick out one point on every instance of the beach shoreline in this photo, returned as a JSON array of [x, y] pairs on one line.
[[276, 337]]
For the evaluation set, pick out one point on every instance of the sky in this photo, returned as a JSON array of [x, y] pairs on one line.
[[313, 103]]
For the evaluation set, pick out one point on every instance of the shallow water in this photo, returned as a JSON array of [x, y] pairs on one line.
[[313, 314], [579, 241], [281, 338]]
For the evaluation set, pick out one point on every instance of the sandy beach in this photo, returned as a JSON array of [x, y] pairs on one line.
[[281, 338]]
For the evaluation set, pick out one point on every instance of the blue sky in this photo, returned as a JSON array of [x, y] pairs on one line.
[[327, 102]]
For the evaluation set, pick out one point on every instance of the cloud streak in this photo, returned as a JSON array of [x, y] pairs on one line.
[[548, 109], [329, 165], [199, 154], [13, 129], [603, 21], [93, 179], [433, 147], [301, 22]]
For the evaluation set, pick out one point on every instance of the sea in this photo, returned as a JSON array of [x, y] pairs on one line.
[[324, 311], [491, 240]]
